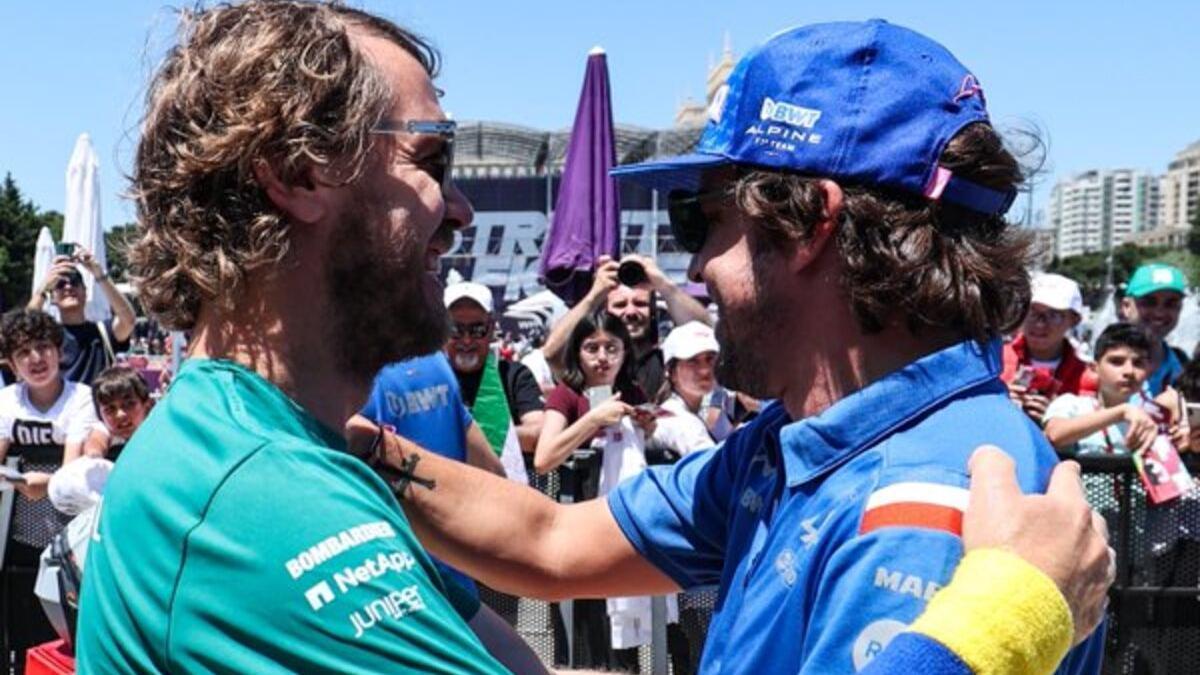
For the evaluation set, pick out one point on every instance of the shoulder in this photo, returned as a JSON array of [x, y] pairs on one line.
[[516, 371], [10, 396], [943, 441], [77, 393], [1070, 405], [563, 398]]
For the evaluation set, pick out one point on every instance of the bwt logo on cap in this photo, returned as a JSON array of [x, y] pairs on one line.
[[797, 116]]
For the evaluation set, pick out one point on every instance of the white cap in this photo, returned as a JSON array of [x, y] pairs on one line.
[[688, 340], [78, 485], [1056, 292], [478, 293]]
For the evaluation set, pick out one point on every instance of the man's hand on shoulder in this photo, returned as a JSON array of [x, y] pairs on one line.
[[1056, 532]]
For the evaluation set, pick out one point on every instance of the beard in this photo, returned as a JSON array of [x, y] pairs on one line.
[[745, 334], [466, 362], [386, 307]]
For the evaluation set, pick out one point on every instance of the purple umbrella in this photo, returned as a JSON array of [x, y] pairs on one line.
[[587, 213]]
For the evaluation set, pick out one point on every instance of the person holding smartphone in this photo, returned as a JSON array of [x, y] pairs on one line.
[[1040, 363], [589, 408], [44, 421], [88, 347], [598, 356]]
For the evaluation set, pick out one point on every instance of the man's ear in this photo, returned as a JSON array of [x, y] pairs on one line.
[[303, 202], [822, 231]]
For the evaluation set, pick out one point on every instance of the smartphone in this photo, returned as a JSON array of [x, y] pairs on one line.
[[66, 248], [653, 410], [1023, 377], [597, 395], [1193, 413]]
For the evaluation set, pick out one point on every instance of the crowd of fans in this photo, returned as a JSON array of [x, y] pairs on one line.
[[601, 399], [69, 400]]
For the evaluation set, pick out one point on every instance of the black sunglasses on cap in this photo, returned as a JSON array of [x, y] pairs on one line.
[[685, 211]]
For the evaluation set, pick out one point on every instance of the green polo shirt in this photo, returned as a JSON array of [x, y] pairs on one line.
[[237, 535]]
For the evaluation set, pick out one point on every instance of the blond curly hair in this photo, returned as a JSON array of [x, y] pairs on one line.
[[278, 81]]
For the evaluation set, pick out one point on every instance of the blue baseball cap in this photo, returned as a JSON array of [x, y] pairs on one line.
[[868, 103]]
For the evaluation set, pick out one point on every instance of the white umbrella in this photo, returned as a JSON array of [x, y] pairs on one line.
[[43, 259], [82, 220]]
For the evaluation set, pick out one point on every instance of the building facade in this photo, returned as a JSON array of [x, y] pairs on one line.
[[1180, 189], [1101, 209]]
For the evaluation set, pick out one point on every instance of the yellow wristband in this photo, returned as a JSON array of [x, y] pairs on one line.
[[1000, 614]]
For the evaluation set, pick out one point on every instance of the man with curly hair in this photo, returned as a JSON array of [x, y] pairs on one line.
[[293, 194]]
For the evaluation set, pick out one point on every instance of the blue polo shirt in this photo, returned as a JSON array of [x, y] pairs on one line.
[[828, 535], [1167, 372]]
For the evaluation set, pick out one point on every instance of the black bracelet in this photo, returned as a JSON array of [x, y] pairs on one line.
[[398, 479]]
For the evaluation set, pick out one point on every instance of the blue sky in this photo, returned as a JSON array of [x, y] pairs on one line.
[[1111, 84]]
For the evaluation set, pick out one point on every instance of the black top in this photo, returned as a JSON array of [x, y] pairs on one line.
[[520, 388], [650, 373], [83, 354]]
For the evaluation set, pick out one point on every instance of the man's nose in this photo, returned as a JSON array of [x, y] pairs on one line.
[[458, 208]]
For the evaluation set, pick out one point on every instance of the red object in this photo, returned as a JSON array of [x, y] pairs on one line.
[[921, 505], [51, 658], [1071, 374]]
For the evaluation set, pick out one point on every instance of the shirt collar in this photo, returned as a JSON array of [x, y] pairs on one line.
[[816, 444]]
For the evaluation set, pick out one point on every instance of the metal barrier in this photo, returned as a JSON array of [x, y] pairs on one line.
[[1153, 616], [1154, 609]]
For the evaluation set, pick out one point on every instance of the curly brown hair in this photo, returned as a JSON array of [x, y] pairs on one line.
[[934, 263], [23, 327], [278, 81]]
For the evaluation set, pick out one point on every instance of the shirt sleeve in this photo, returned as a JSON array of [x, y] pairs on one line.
[[872, 582], [677, 516], [563, 400], [1066, 406], [117, 345], [917, 653], [344, 587], [525, 396], [83, 417], [682, 435], [6, 418]]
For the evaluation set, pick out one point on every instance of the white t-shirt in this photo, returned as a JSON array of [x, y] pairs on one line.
[[38, 437], [536, 362], [69, 420], [682, 431], [1110, 439]]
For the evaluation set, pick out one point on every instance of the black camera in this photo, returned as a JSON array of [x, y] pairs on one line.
[[631, 273]]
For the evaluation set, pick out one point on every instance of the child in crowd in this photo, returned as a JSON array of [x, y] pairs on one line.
[[1116, 419], [44, 420], [1041, 362], [122, 401]]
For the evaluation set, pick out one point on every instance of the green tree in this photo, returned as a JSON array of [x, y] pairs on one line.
[[1193, 238], [19, 224]]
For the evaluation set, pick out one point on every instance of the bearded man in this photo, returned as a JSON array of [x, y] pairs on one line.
[[295, 238], [845, 208]]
